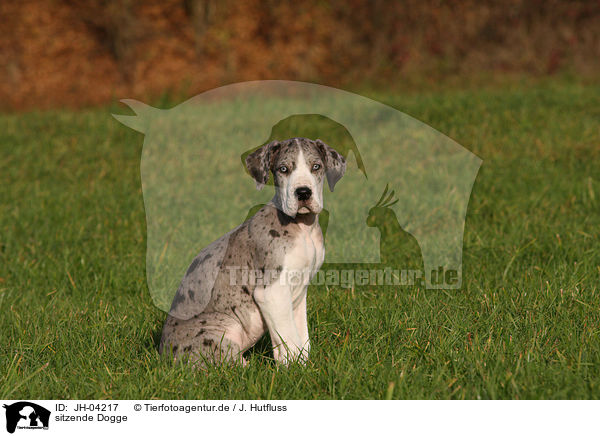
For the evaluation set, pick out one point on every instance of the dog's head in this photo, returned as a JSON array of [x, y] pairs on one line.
[[299, 166]]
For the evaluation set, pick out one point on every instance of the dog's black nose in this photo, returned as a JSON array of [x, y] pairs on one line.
[[303, 193]]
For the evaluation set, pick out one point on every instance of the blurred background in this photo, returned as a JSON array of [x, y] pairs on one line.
[[79, 53]]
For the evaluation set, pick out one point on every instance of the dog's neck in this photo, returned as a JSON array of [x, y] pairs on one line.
[[307, 219]]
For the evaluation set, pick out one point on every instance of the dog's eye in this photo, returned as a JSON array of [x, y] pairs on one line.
[[283, 169], [316, 167]]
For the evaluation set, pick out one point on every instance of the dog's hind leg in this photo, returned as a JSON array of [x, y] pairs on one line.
[[203, 339]]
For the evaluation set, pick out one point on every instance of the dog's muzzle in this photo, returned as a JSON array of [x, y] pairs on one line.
[[303, 193]]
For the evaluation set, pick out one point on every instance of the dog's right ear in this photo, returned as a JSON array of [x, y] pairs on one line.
[[259, 163], [335, 163]]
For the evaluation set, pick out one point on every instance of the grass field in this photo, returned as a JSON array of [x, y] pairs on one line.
[[78, 321]]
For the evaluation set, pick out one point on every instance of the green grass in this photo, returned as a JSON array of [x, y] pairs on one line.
[[78, 321]]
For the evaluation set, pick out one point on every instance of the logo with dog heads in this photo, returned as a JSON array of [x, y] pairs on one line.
[[26, 415], [401, 203]]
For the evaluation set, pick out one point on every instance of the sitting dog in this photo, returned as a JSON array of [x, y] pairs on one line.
[[254, 279]]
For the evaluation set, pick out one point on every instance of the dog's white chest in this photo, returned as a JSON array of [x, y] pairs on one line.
[[304, 259]]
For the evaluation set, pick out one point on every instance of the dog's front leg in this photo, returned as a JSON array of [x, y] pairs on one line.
[[275, 303], [302, 323]]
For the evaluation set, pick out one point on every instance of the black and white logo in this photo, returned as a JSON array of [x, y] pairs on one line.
[[26, 415]]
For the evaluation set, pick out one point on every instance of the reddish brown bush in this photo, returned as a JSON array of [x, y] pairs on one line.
[[79, 52]]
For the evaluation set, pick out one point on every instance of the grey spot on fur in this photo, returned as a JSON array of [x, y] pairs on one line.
[[274, 233], [193, 266], [179, 298]]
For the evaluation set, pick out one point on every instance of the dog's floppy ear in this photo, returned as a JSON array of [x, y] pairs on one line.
[[259, 163], [335, 164]]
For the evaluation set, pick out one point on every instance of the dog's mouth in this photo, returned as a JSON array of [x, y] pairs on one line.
[[308, 206], [292, 206]]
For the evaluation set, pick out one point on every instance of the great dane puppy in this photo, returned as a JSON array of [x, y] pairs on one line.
[[254, 279]]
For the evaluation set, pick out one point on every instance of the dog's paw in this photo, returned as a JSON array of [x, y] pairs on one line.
[[287, 355]]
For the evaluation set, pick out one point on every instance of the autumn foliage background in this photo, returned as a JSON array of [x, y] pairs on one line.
[[77, 53]]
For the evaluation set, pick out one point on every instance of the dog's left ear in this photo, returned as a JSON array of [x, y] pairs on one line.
[[335, 164], [259, 163]]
